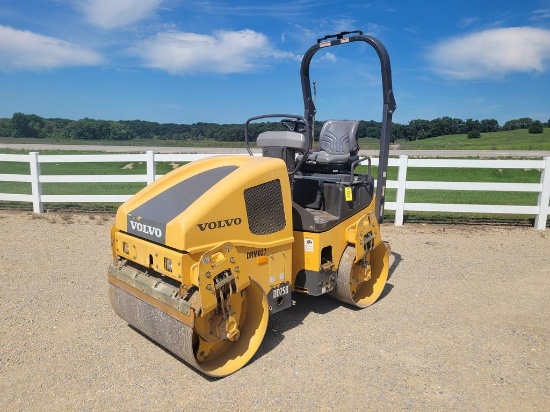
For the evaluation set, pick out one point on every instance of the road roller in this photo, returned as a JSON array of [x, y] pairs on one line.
[[207, 253]]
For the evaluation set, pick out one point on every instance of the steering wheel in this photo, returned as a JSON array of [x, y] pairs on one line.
[[294, 125]]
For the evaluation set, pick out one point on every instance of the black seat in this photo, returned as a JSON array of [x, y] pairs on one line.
[[338, 147]]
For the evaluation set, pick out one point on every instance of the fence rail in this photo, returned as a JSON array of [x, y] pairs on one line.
[[540, 210]]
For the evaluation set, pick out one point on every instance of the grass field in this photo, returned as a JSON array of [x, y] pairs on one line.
[[504, 140], [105, 168], [465, 175]]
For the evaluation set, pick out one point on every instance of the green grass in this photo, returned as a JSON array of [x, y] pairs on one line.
[[453, 174], [100, 168], [369, 143], [504, 140], [463, 197]]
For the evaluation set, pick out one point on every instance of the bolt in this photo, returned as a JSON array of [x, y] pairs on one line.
[[208, 287], [207, 274], [232, 260], [237, 269]]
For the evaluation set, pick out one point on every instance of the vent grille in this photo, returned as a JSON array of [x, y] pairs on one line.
[[264, 208]]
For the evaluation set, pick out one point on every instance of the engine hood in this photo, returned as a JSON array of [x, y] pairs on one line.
[[241, 199]]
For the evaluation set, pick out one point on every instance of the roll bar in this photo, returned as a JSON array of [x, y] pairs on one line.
[[309, 106], [389, 104]]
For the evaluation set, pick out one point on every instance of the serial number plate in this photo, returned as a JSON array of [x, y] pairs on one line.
[[281, 291]]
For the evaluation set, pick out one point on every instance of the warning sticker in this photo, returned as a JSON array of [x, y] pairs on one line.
[[349, 194], [309, 245]]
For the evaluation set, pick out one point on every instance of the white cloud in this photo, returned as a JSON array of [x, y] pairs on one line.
[[492, 53], [25, 50], [110, 14], [223, 52], [328, 56], [343, 24], [541, 14], [411, 29], [374, 29], [299, 35], [467, 21]]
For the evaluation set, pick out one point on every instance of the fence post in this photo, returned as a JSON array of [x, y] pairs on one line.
[[151, 166], [36, 186], [401, 186], [544, 196]]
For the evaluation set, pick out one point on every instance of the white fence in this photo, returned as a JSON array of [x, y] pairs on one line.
[[540, 210]]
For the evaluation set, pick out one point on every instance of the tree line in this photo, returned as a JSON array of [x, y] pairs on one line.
[[34, 126]]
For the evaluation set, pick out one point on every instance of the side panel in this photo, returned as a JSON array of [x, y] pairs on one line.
[[316, 256], [272, 270]]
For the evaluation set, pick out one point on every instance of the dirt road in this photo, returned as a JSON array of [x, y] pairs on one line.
[[463, 325]]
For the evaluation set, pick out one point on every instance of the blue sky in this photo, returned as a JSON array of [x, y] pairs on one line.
[[224, 61]]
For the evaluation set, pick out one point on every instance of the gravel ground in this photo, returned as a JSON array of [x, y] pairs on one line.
[[462, 325]]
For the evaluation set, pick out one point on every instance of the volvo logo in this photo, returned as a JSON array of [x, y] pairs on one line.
[[219, 224], [148, 230]]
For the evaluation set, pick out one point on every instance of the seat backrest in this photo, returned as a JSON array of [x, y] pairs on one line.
[[338, 137]]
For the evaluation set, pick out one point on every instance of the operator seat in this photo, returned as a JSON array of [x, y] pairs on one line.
[[338, 147]]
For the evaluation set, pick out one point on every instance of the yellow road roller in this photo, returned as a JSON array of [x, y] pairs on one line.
[[204, 255]]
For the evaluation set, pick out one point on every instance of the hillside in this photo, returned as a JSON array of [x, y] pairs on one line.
[[502, 140]]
